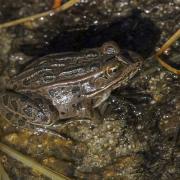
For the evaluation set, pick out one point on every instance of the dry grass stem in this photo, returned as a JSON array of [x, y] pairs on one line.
[[3, 174], [64, 7], [29, 162], [165, 46]]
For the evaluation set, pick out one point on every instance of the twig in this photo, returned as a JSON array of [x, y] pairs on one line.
[[37, 16], [165, 46], [31, 163], [168, 43], [3, 174]]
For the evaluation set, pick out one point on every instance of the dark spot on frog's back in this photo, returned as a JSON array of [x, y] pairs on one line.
[[24, 98], [9, 115], [76, 90], [63, 113], [14, 105], [21, 122], [5, 99]]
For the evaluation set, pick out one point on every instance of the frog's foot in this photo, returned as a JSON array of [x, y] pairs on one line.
[[21, 110]]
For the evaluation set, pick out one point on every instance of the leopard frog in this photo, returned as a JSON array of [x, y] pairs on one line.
[[57, 87]]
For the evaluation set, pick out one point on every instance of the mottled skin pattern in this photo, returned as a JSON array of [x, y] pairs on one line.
[[66, 85]]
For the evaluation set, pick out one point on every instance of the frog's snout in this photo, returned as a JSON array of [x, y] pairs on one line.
[[129, 57]]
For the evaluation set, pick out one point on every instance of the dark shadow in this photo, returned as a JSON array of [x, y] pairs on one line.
[[134, 32]]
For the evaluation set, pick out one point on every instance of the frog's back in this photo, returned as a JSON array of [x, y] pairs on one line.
[[58, 68]]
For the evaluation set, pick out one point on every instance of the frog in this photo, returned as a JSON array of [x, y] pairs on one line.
[[57, 87]]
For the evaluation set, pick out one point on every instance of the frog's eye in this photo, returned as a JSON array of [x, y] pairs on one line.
[[110, 71], [110, 48]]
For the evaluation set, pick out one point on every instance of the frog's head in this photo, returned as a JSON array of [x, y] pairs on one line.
[[117, 68]]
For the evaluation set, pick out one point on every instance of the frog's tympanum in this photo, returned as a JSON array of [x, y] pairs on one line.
[[60, 86]]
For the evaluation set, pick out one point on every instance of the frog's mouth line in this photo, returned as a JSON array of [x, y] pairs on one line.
[[121, 79]]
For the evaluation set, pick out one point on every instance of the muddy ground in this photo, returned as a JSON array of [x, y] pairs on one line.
[[139, 135]]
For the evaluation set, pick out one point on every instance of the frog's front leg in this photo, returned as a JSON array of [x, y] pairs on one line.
[[21, 110]]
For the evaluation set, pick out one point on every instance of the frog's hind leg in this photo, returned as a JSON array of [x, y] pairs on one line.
[[21, 110]]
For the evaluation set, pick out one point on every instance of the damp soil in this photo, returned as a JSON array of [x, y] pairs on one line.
[[139, 135]]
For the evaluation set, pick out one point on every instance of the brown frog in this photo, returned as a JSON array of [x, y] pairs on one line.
[[60, 86]]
